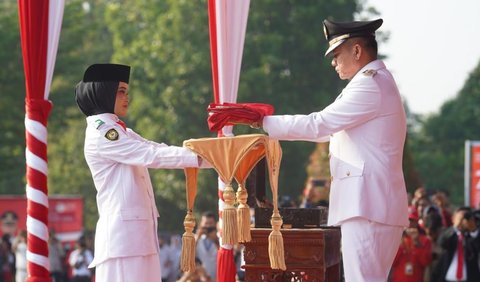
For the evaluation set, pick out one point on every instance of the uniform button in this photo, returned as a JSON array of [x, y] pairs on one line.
[[348, 173]]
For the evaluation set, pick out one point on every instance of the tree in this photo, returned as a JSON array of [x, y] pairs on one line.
[[411, 174], [12, 106], [439, 146], [84, 40], [284, 65], [167, 44]]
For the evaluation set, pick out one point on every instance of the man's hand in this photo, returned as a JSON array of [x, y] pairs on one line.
[[203, 163], [224, 114], [414, 234], [257, 124]]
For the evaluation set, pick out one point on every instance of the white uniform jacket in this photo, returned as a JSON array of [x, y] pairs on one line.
[[366, 126], [127, 224]]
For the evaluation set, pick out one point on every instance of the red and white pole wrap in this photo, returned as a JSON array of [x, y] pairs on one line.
[[40, 23], [228, 24]]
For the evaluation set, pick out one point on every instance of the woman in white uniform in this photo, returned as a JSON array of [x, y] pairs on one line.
[[126, 242]]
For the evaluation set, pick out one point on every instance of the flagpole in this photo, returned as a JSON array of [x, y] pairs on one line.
[[40, 23], [227, 26]]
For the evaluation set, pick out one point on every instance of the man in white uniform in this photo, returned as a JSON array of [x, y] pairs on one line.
[[366, 128], [126, 242]]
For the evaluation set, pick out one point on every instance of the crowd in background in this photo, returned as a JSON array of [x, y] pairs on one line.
[[441, 243], [69, 261], [430, 250]]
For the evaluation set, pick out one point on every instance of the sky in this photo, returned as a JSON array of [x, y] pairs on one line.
[[432, 48]]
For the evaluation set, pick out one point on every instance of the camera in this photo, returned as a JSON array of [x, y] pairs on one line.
[[467, 221], [468, 215], [209, 229], [319, 182]]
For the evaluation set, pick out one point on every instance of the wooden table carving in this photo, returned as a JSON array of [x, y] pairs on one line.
[[310, 255]]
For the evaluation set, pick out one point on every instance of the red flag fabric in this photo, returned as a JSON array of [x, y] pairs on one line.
[[224, 114], [225, 268]]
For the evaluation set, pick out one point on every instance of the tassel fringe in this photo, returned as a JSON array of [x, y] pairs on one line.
[[276, 251], [187, 259], [229, 215], [243, 215]]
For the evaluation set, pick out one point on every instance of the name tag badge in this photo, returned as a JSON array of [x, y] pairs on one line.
[[408, 268]]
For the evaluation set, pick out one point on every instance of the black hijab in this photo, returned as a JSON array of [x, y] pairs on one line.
[[95, 97], [97, 92]]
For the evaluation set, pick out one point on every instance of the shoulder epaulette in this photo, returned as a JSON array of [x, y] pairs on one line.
[[370, 72]]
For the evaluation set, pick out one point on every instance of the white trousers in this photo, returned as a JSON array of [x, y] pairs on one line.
[[129, 269], [368, 249]]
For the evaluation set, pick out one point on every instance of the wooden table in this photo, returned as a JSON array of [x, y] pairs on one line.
[[310, 255]]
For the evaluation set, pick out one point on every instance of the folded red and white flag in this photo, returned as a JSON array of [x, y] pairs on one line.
[[224, 114]]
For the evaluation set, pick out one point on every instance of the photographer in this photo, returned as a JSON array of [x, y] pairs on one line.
[[460, 249], [414, 254], [208, 244], [79, 260], [197, 275]]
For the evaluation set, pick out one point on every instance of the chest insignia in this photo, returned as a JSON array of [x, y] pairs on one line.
[[112, 135]]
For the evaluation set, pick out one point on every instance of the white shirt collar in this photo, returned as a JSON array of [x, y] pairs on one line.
[[105, 116]]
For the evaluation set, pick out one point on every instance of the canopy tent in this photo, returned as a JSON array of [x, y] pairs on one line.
[[40, 24]]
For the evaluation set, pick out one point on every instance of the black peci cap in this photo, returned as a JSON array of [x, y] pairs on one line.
[[107, 72], [338, 32], [97, 92]]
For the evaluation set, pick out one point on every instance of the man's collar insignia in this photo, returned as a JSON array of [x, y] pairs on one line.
[[111, 135]]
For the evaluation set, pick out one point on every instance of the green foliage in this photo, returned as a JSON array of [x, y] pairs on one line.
[[12, 105], [284, 65], [439, 145], [84, 40], [167, 44], [410, 172]]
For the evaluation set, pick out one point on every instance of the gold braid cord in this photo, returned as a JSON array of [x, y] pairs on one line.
[[187, 259], [275, 240]]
